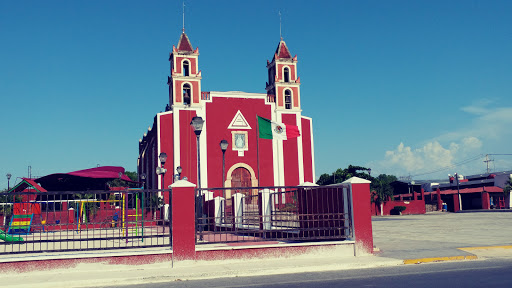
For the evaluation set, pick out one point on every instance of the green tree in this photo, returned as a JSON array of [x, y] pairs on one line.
[[381, 184], [341, 175], [121, 183], [508, 187], [382, 187]]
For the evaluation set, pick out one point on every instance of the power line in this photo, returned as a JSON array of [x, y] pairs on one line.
[[450, 166]]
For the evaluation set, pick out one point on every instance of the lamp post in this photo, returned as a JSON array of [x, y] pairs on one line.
[[458, 191], [161, 171], [8, 180], [177, 176], [197, 122], [223, 146]]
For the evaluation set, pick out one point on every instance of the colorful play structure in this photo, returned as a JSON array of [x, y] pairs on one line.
[[107, 213]]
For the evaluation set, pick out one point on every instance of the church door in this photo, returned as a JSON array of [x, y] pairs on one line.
[[241, 177]]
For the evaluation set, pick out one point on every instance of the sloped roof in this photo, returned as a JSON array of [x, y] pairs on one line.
[[184, 44], [282, 50], [27, 183], [88, 179]]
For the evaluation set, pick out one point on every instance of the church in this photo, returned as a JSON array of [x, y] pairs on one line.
[[232, 116]]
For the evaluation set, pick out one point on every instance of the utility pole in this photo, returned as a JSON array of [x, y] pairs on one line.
[[487, 161]]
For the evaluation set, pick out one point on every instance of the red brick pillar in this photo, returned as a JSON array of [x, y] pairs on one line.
[[486, 203], [183, 220], [439, 201], [422, 194], [359, 190], [455, 203]]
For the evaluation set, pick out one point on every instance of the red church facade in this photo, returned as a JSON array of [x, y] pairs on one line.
[[230, 116]]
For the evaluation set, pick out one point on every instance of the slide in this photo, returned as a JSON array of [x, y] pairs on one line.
[[4, 236]]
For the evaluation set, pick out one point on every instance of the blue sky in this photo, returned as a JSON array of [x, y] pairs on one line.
[[403, 87]]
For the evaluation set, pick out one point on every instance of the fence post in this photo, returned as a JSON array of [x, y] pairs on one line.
[[361, 214], [183, 220]]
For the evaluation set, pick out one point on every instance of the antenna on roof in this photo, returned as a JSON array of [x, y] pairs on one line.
[[183, 16], [280, 23]]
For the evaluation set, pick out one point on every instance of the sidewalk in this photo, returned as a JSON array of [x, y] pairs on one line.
[[439, 235], [96, 274], [400, 239]]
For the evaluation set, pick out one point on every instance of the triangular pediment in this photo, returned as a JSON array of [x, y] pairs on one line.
[[239, 122]]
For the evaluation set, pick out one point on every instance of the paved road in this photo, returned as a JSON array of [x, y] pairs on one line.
[[488, 273], [439, 234]]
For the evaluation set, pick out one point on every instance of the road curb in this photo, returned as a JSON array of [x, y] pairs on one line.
[[485, 247], [439, 259]]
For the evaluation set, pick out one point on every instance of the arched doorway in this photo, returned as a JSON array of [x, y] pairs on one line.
[[241, 177]]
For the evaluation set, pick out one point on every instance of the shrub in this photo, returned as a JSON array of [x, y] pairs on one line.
[[397, 210]]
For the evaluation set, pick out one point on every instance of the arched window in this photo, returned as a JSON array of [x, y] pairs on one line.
[[186, 68], [286, 74], [287, 99], [187, 93]]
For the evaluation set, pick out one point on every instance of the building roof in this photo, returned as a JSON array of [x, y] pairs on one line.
[[492, 189], [27, 183], [184, 44], [88, 179], [282, 50]]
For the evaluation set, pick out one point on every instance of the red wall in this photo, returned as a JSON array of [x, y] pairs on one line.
[[219, 114], [307, 150], [188, 146], [413, 207], [291, 155], [166, 145]]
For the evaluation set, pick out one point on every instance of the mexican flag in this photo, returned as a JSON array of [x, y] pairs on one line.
[[274, 130]]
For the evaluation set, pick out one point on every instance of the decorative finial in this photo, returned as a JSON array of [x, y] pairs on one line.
[[183, 16], [280, 34]]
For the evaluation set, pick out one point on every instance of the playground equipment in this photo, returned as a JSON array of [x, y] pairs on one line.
[[9, 238]]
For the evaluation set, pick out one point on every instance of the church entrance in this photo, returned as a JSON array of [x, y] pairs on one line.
[[241, 177]]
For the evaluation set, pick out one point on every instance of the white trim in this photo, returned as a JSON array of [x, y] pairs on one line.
[[191, 92], [202, 149], [233, 146], [237, 94], [312, 146], [238, 115], [182, 184], [280, 160], [356, 180], [189, 67], [176, 139], [158, 151]]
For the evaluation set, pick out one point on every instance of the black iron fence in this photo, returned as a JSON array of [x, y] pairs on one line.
[[86, 220], [249, 214], [32, 222]]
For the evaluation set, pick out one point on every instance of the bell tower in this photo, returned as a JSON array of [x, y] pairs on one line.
[[283, 85], [185, 80]]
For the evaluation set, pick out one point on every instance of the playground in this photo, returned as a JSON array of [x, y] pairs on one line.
[[40, 222]]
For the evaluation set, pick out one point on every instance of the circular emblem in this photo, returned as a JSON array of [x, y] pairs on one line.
[[278, 129]]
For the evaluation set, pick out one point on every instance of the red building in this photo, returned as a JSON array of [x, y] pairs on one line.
[[230, 116]]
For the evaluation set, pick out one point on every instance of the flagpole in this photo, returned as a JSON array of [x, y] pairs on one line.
[[258, 147]]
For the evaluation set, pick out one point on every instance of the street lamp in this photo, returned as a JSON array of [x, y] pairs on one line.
[[458, 191], [197, 123], [178, 175], [223, 146], [143, 178], [161, 170], [8, 180]]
